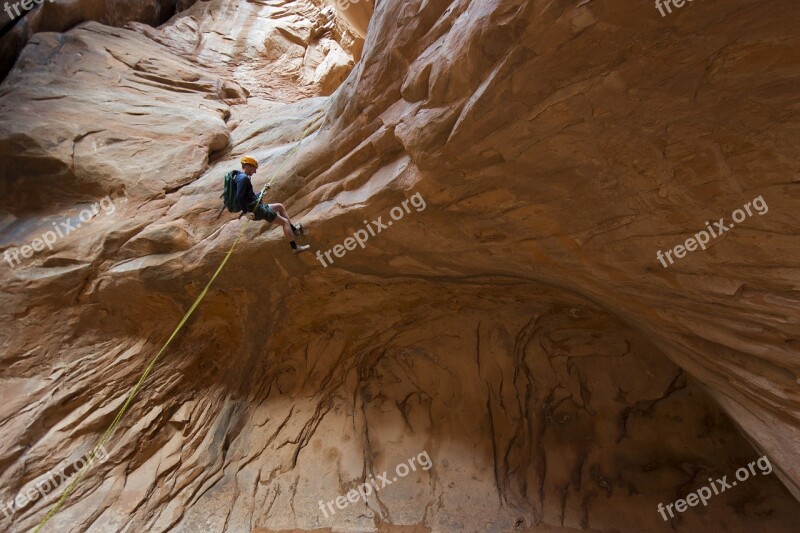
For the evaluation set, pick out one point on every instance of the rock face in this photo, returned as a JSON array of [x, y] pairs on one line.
[[504, 352], [58, 15]]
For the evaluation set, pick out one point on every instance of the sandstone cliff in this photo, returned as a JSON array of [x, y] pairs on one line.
[[514, 323]]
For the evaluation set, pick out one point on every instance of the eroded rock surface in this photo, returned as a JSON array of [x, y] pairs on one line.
[[514, 324], [19, 25]]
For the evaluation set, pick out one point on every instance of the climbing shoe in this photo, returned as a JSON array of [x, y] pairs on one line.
[[301, 248], [298, 229]]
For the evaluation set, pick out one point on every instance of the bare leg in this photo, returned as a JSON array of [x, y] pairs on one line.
[[278, 208], [282, 218], [287, 228]]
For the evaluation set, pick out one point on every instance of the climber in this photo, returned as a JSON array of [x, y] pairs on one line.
[[251, 205]]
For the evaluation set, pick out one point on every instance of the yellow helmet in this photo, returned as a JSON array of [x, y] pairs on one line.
[[247, 160]]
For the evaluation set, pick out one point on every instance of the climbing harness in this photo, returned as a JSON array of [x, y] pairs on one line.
[[82, 472]]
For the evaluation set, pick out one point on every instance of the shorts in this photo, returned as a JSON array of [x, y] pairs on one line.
[[264, 212]]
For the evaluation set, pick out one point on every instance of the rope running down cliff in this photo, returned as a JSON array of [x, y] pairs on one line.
[[82, 472]]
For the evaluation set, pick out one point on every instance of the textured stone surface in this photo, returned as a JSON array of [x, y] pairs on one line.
[[277, 50], [518, 329], [60, 15]]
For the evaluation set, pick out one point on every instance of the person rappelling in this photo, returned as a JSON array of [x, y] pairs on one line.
[[239, 197]]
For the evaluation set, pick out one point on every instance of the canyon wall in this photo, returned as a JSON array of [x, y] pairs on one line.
[[513, 325], [19, 24]]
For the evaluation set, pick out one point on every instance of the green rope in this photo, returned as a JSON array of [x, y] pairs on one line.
[[82, 472]]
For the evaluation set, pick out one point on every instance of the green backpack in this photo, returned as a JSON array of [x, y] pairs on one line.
[[229, 192]]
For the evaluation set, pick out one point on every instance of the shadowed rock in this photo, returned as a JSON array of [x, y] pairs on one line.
[[516, 325]]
